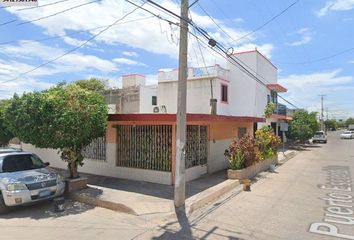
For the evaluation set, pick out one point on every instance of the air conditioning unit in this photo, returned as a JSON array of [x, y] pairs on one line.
[[156, 110]]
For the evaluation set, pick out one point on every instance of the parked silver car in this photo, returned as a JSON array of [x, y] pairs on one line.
[[24, 179]]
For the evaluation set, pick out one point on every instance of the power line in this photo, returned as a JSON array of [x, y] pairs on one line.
[[266, 23], [220, 47], [243, 69], [57, 13], [213, 20], [71, 33], [324, 58], [48, 16], [40, 6], [73, 49]]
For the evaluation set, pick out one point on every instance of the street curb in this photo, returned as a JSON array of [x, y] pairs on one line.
[[288, 157], [100, 202], [195, 202]]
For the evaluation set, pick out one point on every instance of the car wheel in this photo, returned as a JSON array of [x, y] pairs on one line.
[[3, 207], [325, 141]]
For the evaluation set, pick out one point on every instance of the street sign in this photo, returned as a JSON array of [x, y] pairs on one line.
[[284, 127]]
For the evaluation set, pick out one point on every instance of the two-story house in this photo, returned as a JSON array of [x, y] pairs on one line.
[[140, 144]]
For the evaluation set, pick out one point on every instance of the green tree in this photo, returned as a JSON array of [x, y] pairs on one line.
[[304, 125], [349, 121], [331, 124], [92, 84], [269, 109], [5, 134], [65, 117]]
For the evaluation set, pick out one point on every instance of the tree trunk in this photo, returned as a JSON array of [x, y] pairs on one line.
[[73, 169]]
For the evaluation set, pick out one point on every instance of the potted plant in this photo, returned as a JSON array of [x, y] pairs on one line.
[[242, 155]]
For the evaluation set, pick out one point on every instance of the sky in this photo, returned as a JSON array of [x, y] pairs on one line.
[[311, 44]]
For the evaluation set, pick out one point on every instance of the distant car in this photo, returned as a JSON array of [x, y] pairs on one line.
[[347, 135], [25, 179], [320, 136]]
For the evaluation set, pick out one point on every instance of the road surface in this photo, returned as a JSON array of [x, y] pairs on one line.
[[308, 197]]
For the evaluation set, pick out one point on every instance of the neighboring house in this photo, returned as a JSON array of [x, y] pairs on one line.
[[134, 96], [249, 96], [140, 143]]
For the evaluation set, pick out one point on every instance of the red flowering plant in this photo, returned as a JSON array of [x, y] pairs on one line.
[[243, 153]]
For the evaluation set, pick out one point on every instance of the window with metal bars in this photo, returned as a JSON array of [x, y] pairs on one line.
[[196, 146], [96, 150]]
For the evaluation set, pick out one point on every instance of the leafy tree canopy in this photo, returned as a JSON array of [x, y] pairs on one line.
[[65, 117], [269, 109], [93, 84], [331, 124], [5, 134], [304, 125], [349, 121]]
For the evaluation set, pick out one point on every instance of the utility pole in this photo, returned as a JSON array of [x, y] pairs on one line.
[[322, 116], [180, 178]]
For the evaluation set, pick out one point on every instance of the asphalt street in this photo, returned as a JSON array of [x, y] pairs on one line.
[[308, 197]]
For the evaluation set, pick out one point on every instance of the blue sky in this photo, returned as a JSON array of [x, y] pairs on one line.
[[300, 43]]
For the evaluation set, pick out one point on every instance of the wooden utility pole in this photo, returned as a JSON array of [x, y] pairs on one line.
[[180, 178]]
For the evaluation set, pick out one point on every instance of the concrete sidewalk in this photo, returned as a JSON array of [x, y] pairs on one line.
[[143, 198]]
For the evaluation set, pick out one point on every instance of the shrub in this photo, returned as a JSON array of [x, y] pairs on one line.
[[267, 141], [243, 153]]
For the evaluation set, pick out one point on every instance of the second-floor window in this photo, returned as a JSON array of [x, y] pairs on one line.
[[154, 100], [224, 93]]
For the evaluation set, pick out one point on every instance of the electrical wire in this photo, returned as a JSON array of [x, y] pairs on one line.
[[323, 58], [72, 33], [60, 12], [40, 6], [220, 47], [48, 16], [74, 49], [266, 23]]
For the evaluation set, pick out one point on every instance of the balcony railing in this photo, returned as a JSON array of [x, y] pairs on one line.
[[212, 71]]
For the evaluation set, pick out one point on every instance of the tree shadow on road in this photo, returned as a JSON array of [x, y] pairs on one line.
[[45, 210]]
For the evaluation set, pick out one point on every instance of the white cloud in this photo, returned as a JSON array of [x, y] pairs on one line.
[[128, 61], [146, 34], [305, 88], [335, 5], [130, 54], [306, 37], [70, 63]]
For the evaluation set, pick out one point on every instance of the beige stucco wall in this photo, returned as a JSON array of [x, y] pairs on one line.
[[104, 168]]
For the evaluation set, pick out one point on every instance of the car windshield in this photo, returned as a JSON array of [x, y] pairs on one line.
[[319, 133], [347, 132], [21, 162]]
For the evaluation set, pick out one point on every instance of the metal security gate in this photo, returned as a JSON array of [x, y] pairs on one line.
[[145, 147], [96, 149], [196, 146]]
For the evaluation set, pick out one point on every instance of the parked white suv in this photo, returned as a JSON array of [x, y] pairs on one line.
[[24, 179], [320, 136]]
